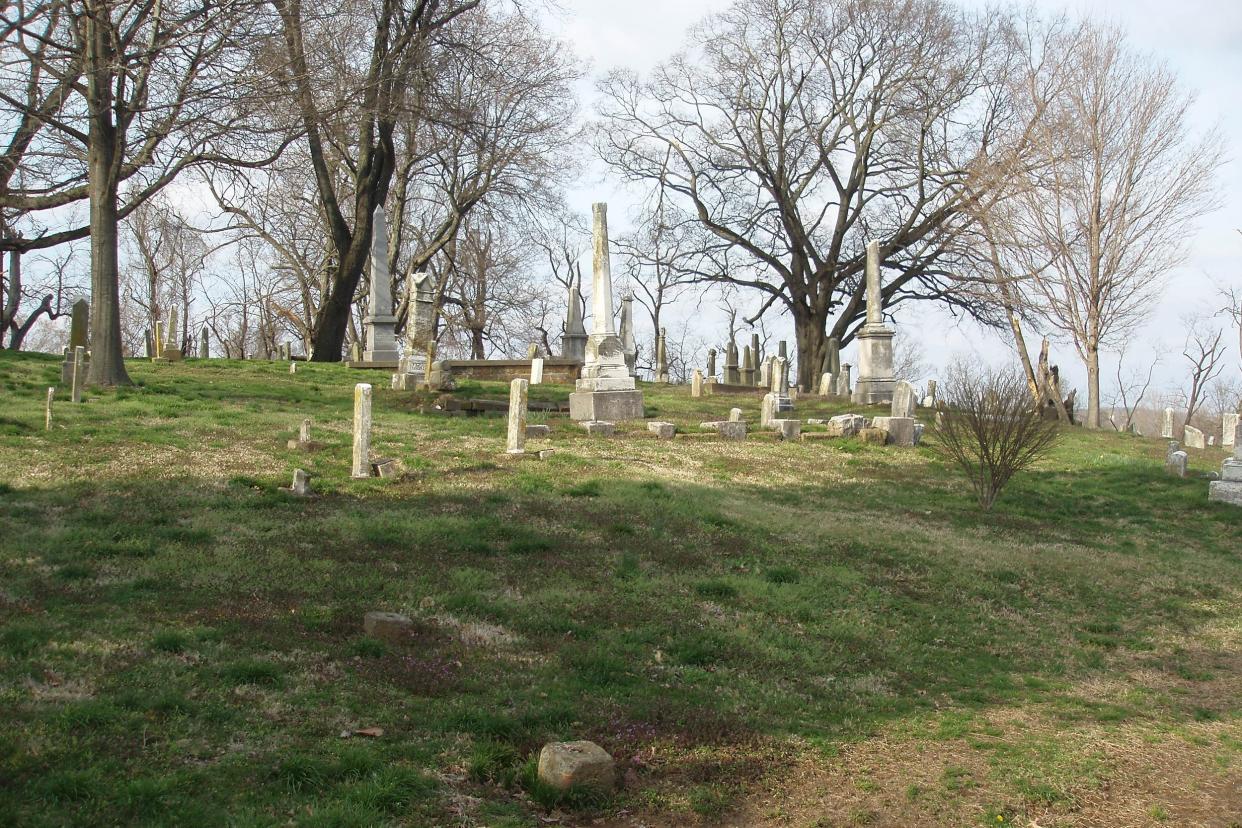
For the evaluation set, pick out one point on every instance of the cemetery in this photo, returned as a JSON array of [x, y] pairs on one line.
[[480, 414]]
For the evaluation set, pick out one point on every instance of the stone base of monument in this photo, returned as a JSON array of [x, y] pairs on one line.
[[66, 371], [1225, 491], [873, 392], [169, 355], [612, 406], [900, 430], [386, 365]]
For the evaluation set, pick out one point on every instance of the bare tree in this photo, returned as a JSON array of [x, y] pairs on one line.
[[988, 427], [127, 93], [1131, 388], [1205, 352], [1120, 183], [794, 131], [167, 261]]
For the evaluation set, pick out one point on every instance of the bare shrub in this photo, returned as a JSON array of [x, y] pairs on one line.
[[987, 425]]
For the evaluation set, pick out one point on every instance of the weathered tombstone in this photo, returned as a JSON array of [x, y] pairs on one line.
[[537, 431], [517, 416], [845, 425], [735, 415], [605, 388], [732, 376], [782, 350], [732, 430], [756, 352], [663, 431], [362, 431], [599, 428], [79, 321], [875, 341], [536, 371], [843, 381], [204, 344], [661, 357], [696, 383], [825, 385], [380, 325], [788, 429], [420, 301], [1175, 463], [1211, 441], [301, 483], [832, 362], [780, 384], [767, 412], [1166, 424], [900, 430], [386, 625], [903, 399], [304, 431], [748, 366], [629, 343], [1229, 488], [573, 343], [1193, 438], [1228, 430], [764, 380], [293, 367], [79, 373], [51, 395], [711, 363]]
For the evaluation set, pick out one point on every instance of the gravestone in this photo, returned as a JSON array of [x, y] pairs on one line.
[[711, 363], [577, 766], [764, 380], [419, 336], [1166, 424], [735, 415], [732, 430], [788, 429], [380, 325], [537, 431], [875, 341], [47, 420], [1193, 438], [663, 431], [843, 381], [518, 390], [628, 341], [900, 430], [845, 425], [599, 428], [147, 343], [696, 383], [1228, 430], [574, 342], [903, 399], [1175, 463], [756, 354], [204, 344], [389, 626], [605, 390], [661, 358], [79, 373], [767, 411], [362, 431], [732, 376], [1229, 488], [748, 366], [79, 335], [536, 371], [780, 384], [301, 483], [158, 339]]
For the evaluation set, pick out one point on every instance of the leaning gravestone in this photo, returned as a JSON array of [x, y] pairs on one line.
[[1228, 430], [1194, 438], [517, 416], [904, 399]]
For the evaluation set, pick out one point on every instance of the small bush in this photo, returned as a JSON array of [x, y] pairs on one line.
[[988, 425]]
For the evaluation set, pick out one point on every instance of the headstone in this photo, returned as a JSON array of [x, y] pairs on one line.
[[843, 381], [574, 341], [788, 429], [79, 373], [362, 431], [732, 376], [1166, 424], [903, 399], [51, 395], [711, 363], [1229, 430], [1211, 440], [900, 430], [748, 366], [825, 385], [79, 334], [537, 431], [171, 339], [873, 436], [732, 430], [304, 431], [293, 367], [379, 325], [782, 350], [1229, 488], [875, 341], [832, 363], [577, 766], [735, 415], [1193, 438], [919, 428], [158, 339], [663, 431], [764, 380], [517, 416], [696, 383], [780, 384], [661, 368], [1175, 463], [629, 342], [605, 390], [846, 425], [599, 428], [767, 412], [419, 334], [756, 354], [536, 371], [204, 344], [532, 351], [301, 483]]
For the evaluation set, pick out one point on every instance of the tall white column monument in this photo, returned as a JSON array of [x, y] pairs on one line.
[[605, 390], [875, 342]]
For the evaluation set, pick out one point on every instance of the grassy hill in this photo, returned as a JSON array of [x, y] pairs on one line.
[[762, 633]]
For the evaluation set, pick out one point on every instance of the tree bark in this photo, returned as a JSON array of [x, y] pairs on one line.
[[1093, 387]]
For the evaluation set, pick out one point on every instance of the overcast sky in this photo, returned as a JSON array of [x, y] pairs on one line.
[[1201, 40]]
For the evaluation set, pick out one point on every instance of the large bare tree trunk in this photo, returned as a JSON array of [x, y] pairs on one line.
[[1093, 388]]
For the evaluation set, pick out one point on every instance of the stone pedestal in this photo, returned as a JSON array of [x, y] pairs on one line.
[[573, 346], [612, 406], [875, 366], [381, 339]]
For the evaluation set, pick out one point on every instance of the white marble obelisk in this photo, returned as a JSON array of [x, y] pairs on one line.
[[605, 390], [875, 342]]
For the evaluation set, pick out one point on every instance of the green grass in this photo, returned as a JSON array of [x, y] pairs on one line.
[[181, 641]]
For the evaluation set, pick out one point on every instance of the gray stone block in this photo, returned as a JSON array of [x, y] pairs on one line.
[[1231, 471], [1225, 491], [900, 429], [788, 429], [387, 625], [538, 430], [599, 428], [664, 431], [732, 430], [611, 406]]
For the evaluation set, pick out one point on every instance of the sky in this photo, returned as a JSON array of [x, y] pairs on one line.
[[1200, 40]]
